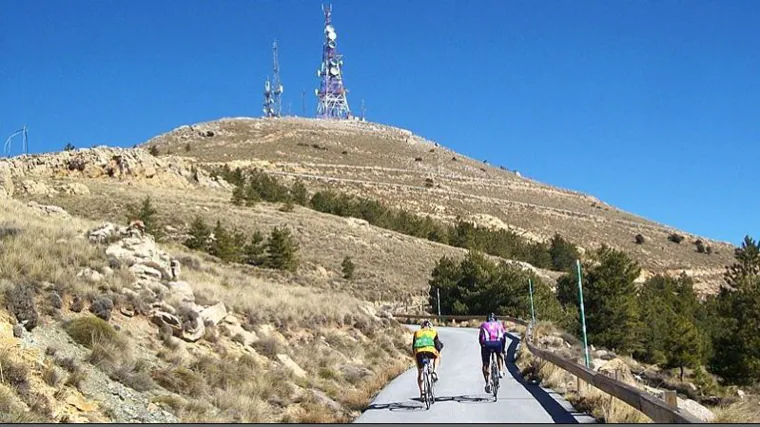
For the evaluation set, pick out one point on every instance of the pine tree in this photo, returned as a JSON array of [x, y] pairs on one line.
[[223, 245], [348, 268], [153, 150], [69, 147], [255, 251], [563, 253], [611, 306], [281, 250], [147, 214], [746, 269], [299, 194], [736, 356], [199, 235], [238, 195], [683, 344]]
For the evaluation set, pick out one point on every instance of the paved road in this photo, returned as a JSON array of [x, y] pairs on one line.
[[460, 396]]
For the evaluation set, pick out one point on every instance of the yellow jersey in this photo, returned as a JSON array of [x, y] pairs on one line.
[[424, 341]]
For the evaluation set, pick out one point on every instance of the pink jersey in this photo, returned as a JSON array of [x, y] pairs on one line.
[[491, 331]]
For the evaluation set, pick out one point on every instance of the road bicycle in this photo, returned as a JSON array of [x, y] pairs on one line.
[[427, 382], [494, 380]]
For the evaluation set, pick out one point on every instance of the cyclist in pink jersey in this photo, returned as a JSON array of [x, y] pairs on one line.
[[490, 338]]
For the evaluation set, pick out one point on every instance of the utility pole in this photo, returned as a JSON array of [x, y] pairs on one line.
[[532, 310], [583, 314]]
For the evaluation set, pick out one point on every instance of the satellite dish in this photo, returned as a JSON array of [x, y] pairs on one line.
[[331, 44], [281, 89], [329, 29], [334, 71], [332, 36], [316, 92], [334, 62]]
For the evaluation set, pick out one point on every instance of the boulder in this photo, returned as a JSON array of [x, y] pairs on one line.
[[696, 409], [214, 314], [181, 290], [105, 233], [193, 329], [164, 319], [35, 188], [74, 188], [292, 365], [144, 272], [616, 368], [741, 394], [18, 330], [90, 275]]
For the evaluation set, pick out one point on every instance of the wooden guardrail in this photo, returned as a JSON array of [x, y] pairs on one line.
[[652, 406]]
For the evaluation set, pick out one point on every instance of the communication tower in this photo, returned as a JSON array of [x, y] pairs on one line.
[[273, 91], [333, 103]]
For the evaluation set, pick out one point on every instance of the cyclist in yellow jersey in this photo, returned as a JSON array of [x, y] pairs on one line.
[[425, 342]]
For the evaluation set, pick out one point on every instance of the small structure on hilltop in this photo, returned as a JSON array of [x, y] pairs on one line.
[[24, 142], [333, 103]]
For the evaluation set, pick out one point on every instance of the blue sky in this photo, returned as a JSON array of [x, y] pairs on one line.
[[653, 106]]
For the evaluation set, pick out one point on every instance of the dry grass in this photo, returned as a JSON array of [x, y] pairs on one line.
[[588, 399], [47, 250], [743, 411]]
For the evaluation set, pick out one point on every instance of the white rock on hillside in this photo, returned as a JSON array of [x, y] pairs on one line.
[[215, 313], [49, 210]]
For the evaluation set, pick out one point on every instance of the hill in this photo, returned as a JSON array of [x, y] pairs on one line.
[[318, 343], [403, 170]]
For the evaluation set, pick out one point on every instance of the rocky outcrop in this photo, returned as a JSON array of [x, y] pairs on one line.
[[6, 183], [101, 162]]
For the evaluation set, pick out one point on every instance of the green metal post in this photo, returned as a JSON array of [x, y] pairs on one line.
[[532, 310], [438, 295], [583, 314]]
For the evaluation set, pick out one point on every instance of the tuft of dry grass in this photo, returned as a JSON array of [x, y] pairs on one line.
[[744, 411]]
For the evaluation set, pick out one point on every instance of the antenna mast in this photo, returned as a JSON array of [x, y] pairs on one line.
[[273, 90], [333, 103]]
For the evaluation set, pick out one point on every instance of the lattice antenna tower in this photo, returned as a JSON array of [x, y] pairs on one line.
[[24, 141], [276, 83], [333, 103], [273, 90]]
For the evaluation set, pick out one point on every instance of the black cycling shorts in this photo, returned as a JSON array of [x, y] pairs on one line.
[[421, 355], [490, 346]]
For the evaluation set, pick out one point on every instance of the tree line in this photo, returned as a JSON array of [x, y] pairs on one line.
[[254, 186], [661, 322]]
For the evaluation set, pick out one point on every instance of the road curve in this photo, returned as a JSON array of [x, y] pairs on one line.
[[460, 396]]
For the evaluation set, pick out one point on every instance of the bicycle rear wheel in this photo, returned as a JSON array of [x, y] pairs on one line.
[[428, 390], [494, 375]]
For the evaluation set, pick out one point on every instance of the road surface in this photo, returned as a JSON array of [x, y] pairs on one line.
[[460, 394]]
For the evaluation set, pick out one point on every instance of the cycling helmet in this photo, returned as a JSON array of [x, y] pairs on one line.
[[491, 318], [426, 324]]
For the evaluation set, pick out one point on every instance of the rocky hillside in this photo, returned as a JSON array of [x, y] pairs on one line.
[[404, 170], [99, 323]]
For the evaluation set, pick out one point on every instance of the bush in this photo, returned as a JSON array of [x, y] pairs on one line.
[[102, 308], [90, 330], [701, 248], [639, 239], [69, 147], [348, 268], [676, 238], [153, 150]]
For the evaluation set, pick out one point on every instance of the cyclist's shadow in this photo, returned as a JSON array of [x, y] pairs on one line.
[[399, 406]]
